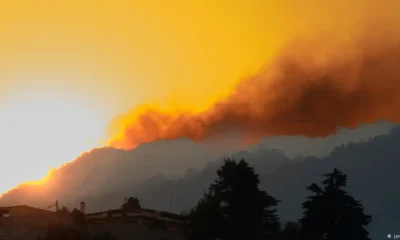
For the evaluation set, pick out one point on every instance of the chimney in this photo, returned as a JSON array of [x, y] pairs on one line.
[[82, 208]]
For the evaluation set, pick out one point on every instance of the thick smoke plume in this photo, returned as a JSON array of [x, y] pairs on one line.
[[310, 89]]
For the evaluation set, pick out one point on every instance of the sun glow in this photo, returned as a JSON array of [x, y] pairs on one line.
[[42, 181], [42, 132]]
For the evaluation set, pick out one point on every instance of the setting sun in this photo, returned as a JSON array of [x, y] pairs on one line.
[[39, 130]]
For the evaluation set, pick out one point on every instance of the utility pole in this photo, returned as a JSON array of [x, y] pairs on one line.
[[54, 204]]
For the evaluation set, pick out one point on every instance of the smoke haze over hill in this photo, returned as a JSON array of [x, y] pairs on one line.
[[154, 171], [316, 81]]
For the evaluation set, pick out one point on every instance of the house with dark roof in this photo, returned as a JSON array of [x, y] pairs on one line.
[[29, 223], [24, 222], [141, 223]]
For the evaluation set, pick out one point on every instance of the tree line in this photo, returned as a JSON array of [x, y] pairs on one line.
[[234, 208]]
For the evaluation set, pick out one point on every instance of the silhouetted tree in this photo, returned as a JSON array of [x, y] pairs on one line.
[[132, 203], [331, 213], [234, 207], [79, 221], [64, 210], [291, 231], [207, 220]]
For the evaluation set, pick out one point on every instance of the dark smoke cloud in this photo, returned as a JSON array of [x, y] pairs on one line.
[[310, 89]]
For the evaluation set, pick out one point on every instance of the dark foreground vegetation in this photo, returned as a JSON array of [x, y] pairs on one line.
[[234, 208]]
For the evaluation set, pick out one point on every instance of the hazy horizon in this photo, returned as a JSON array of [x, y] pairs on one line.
[[177, 150]]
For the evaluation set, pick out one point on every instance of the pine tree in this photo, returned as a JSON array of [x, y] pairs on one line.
[[207, 221], [132, 203], [331, 213], [244, 211]]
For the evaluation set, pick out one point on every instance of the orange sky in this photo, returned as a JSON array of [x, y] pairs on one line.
[[69, 67]]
